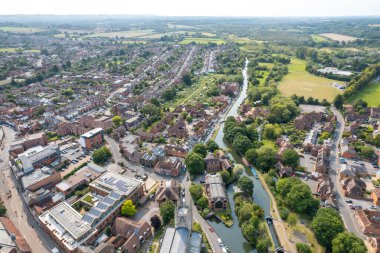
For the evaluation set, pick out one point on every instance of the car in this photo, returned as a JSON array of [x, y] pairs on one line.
[[342, 160], [362, 164], [349, 201], [306, 178], [187, 178], [352, 207], [376, 166], [372, 207], [211, 229]]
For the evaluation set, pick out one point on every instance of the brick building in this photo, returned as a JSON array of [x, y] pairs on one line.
[[92, 139]]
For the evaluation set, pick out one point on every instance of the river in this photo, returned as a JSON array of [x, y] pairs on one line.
[[233, 237]]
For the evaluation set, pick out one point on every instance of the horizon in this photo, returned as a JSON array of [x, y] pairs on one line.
[[197, 8]]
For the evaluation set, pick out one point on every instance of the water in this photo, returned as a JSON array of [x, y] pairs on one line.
[[233, 237]]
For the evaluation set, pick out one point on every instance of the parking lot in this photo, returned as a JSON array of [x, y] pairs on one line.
[[75, 155]]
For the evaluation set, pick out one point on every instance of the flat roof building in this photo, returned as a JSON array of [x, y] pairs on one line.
[[44, 177], [37, 157], [92, 139]]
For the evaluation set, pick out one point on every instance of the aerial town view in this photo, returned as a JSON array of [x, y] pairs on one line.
[[206, 126]]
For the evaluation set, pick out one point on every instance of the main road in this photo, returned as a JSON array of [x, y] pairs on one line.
[[17, 211], [349, 221]]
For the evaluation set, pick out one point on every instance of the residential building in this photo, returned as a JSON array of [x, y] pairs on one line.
[[129, 146], [170, 166], [92, 139], [21, 145], [9, 235], [369, 221], [375, 196]]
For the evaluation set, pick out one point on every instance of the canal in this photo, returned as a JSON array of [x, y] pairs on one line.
[[233, 237]]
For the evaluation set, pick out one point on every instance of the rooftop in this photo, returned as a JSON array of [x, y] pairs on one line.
[[36, 176], [114, 182], [93, 132]]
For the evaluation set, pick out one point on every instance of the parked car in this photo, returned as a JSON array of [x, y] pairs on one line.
[[342, 160], [349, 201], [211, 229]]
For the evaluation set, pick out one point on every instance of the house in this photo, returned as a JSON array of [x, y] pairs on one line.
[[213, 164], [9, 235], [283, 171], [346, 172], [170, 166], [354, 187], [369, 221], [351, 171], [92, 139], [167, 189], [175, 150], [216, 194], [375, 112], [325, 188], [347, 152], [305, 121], [229, 88], [322, 163], [145, 136], [375, 196], [133, 233], [178, 130]]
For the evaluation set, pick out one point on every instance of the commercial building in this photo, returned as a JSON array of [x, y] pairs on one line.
[[19, 146], [70, 229], [92, 139], [216, 194], [44, 177], [38, 157]]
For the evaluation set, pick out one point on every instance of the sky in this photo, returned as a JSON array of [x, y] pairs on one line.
[[264, 8]]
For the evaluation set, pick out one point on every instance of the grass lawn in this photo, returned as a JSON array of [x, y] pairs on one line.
[[370, 94], [302, 83], [125, 34], [338, 37], [8, 49], [202, 40], [16, 29]]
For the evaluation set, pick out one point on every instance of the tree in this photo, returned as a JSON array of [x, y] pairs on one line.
[[212, 145], [300, 199], [263, 245], [186, 79], [238, 170], [266, 158], [338, 101], [117, 120], [327, 224], [249, 232], [347, 242], [3, 210], [376, 140], [251, 155], [196, 191], [201, 149], [101, 155], [272, 131], [246, 185], [167, 211], [194, 163], [155, 221], [128, 208], [290, 158], [202, 203], [292, 219], [303, 248], [241, 143], [225, 176]]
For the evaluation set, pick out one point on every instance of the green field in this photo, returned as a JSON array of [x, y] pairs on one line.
[[13, 50], [302, 83], [370, 94], [20, 29], [202, 40], [318, 38], [125, 34]]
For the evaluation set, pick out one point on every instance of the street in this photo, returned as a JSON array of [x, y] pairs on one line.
[[24, 221], [347, 214]]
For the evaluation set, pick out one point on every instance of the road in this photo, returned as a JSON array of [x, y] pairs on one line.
[[212, 237], [24, 221], [347, 215]]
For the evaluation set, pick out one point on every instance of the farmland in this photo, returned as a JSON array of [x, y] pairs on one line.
[[319, 38], [202, 41], [370, 94], [125, 34], [302, 83], [338, 37], [20, 29]]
